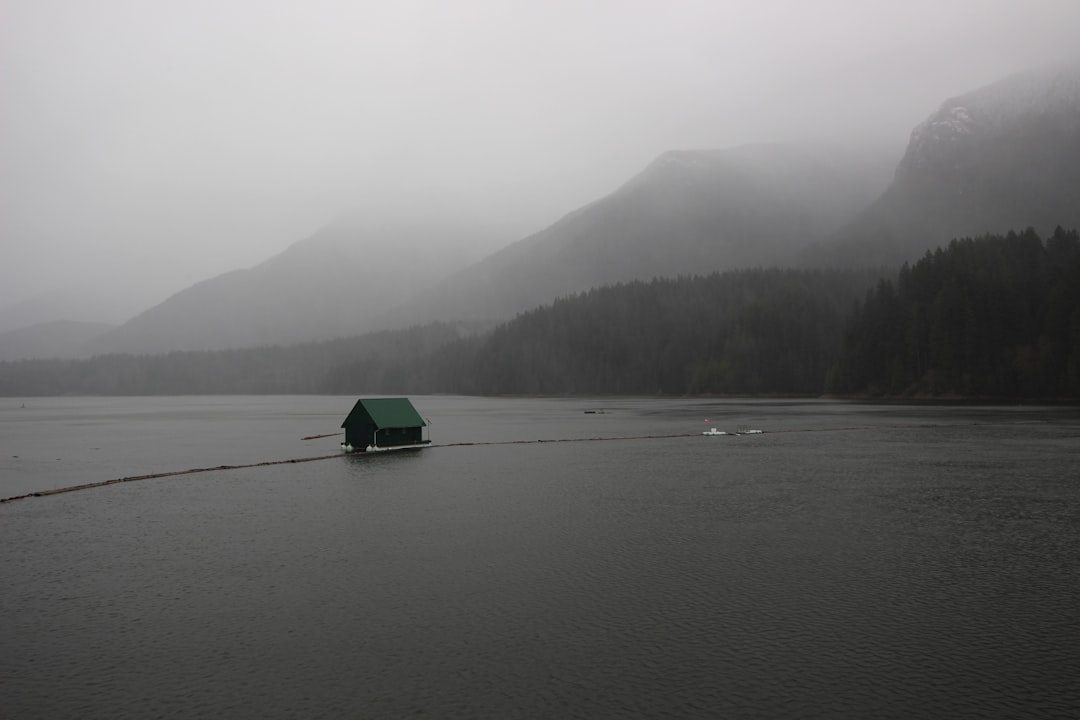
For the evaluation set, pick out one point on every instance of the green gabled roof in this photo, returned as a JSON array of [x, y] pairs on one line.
[[384, 413]]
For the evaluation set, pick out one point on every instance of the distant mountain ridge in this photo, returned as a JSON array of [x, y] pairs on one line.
[[84, 302], [1001, 157], [56, 339], [1005, 156], [325, 286], [688, 212]]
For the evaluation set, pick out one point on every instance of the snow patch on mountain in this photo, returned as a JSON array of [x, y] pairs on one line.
[[995, 108]]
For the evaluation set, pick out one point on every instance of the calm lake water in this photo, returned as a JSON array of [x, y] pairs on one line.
[[852, 561]]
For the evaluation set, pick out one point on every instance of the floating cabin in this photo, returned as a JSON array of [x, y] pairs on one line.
[[383, 424]]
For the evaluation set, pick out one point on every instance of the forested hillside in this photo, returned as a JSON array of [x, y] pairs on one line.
[[996, 316], [750, 331]]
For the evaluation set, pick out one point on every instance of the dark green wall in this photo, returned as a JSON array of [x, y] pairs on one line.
[[360, 435]]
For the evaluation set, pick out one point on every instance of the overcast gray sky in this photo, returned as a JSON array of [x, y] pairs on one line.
[[149, 144]]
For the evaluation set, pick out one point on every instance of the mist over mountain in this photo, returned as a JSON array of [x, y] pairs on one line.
[[688, 212], [325, 286], [1001, 157], [76, 303], [56, 339], [993, 317]]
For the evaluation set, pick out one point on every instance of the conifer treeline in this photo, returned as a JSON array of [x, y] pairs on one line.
[[996, 316], [750, 331]]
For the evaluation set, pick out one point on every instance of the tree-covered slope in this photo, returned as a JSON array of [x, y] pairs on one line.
[[750, 331], [994, 316]]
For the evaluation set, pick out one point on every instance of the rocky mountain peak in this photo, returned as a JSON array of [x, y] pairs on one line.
[[999, 158], [991, 111]]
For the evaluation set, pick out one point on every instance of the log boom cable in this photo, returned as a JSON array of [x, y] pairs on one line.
[[219, 468]]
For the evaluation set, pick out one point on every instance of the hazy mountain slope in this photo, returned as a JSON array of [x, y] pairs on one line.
[[85, 302], [1006, 156], [325, 286], [56, 339], [687, 212]]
